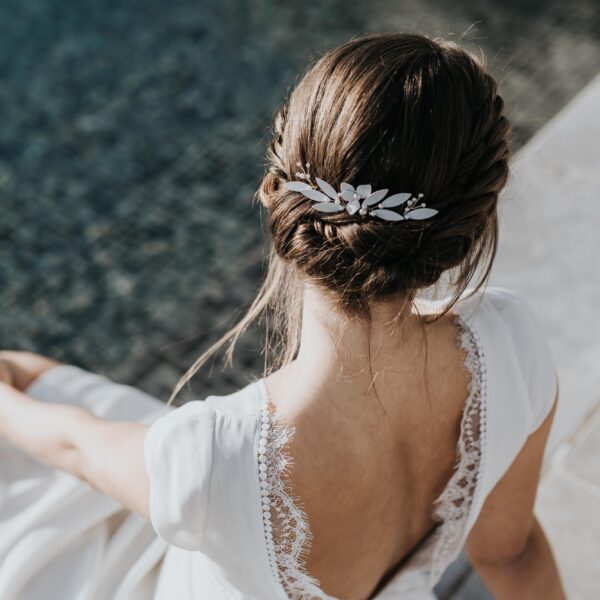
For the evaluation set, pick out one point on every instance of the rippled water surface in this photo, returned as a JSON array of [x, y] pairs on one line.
[[132, 141]]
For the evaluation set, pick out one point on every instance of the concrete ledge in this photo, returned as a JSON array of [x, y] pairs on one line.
[[568, 506]]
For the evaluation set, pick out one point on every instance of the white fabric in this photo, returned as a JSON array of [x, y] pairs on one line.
[[285, 524], [208, 536], [56, 533]]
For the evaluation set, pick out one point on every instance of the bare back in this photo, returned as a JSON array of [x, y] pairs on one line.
[[367, 471]]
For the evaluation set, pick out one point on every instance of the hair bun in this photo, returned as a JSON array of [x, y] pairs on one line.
[[412, 122]]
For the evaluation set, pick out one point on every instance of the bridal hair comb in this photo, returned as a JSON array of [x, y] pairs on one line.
[[361, 200]]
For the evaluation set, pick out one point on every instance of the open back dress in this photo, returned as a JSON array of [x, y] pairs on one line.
[[224, 523]]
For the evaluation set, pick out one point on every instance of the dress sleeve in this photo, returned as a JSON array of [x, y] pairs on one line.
[[178, 452], [533, 352], [70, 384]]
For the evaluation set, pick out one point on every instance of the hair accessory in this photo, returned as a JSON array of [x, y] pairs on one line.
[[361, 200]]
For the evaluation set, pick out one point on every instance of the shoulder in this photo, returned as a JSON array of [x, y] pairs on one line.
[[506, 309], [198, 457], [178, 454], [509, 310], [509, 304], [512, 305], [511, 325]]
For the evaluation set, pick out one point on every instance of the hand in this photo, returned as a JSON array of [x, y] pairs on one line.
[[19, 368], [6, 374]]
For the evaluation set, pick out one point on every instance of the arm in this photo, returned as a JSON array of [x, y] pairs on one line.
[[507, 545], [108, 455]]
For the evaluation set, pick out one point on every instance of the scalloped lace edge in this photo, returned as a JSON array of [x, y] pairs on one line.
[[452, 508], [287, 532]]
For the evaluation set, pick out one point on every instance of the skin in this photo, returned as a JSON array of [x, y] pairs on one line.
[[383, 451], [106, 454]]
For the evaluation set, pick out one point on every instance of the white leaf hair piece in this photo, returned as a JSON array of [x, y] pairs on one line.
[[296, 186], [328, 189], [315, 195], [419, 214], [388, 215], [360, 200], [348, 196], [353, 206], [374, 198], [328, 207], [396, 200]]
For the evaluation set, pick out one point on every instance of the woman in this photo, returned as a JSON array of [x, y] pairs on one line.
[[388, 432]]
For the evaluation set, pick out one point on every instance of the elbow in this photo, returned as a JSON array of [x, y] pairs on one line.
[[61, 455], [77, 449], [502, 561], [71, 461], [509, 557]]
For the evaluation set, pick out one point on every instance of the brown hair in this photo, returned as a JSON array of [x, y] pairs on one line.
[[399, 111]]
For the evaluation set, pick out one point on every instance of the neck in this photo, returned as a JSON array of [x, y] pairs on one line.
[[336, 346]]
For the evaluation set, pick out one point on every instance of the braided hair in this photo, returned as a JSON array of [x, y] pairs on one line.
[[404, 112]]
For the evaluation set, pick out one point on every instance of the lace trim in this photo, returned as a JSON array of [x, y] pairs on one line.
[[286, 527], [453, 506]]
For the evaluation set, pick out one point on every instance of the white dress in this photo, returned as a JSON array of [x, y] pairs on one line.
[[223, 521]]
